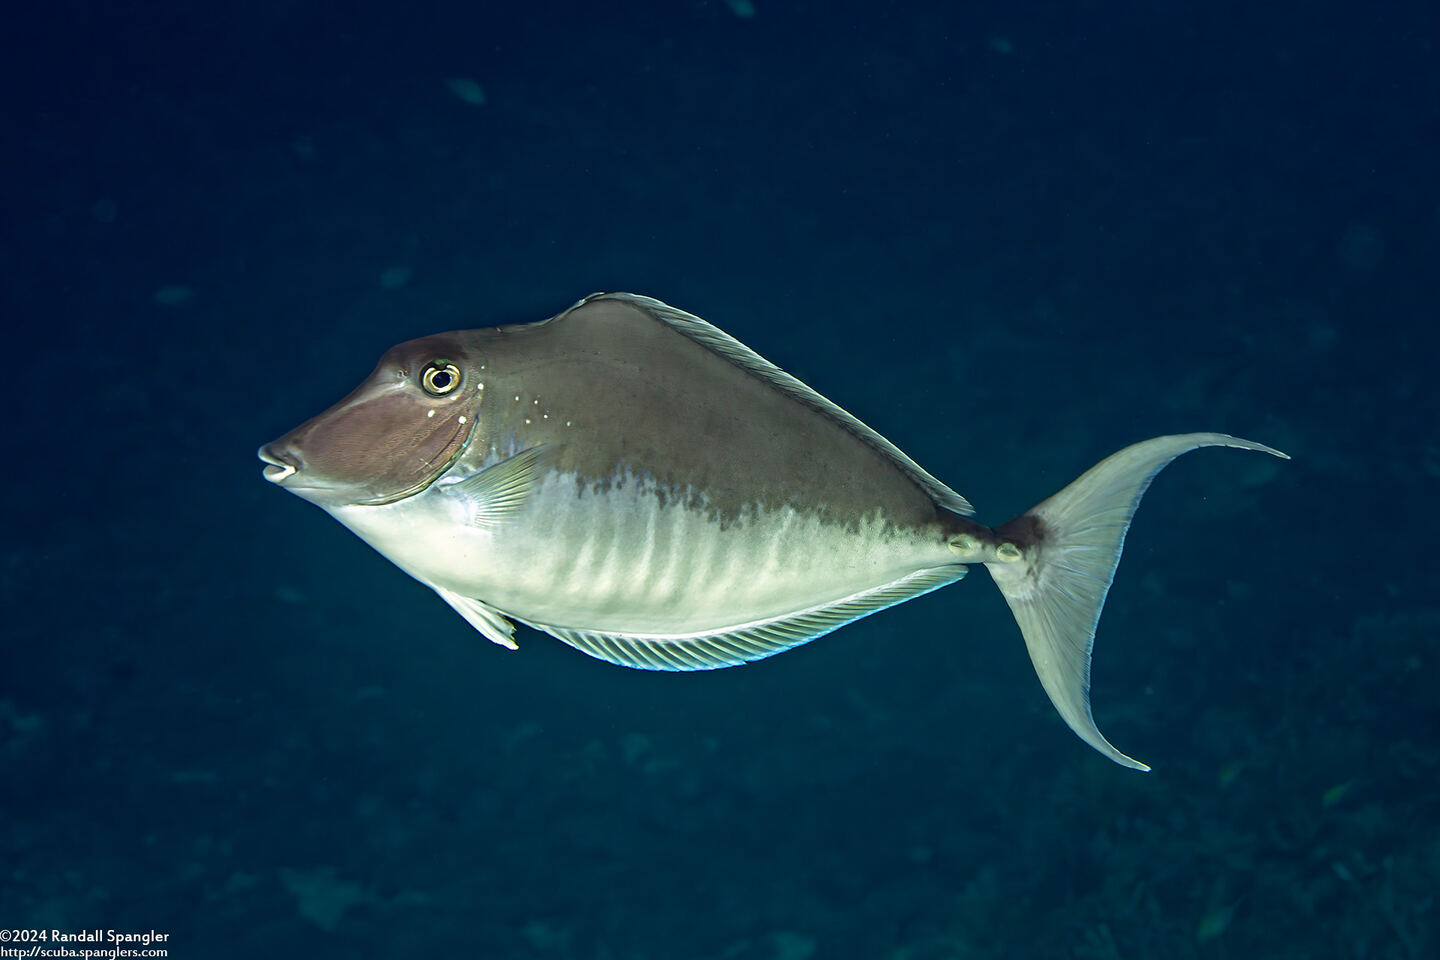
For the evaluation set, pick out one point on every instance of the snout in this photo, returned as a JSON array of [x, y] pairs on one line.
[[280, 463]]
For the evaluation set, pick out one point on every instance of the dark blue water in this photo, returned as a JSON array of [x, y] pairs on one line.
[[1013, 238]]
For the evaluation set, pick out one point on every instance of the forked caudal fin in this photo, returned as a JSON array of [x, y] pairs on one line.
[[1057, 560]]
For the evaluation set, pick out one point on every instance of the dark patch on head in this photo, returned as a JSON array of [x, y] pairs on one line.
[[390, 437]]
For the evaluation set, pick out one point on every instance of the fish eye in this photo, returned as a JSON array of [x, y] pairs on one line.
[[440, 377]]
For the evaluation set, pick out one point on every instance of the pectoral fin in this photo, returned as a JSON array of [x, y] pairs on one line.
[[496, 492]]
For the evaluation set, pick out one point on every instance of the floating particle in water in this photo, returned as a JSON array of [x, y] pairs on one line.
[[467, 89], [1361, 248], [393, 278], [174, 295], [304, 148]]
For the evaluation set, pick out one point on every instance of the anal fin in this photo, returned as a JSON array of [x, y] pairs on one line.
[[743, 643]]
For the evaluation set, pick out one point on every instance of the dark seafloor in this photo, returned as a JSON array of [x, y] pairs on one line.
[[1012, 237]]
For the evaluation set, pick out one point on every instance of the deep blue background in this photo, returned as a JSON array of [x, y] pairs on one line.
[[1011, 237]]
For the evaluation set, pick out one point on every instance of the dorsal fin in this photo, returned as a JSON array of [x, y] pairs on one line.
[[722, 344]]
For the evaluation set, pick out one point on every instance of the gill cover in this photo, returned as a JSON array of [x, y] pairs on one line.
[[394, 435]]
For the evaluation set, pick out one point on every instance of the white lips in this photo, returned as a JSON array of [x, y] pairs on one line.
[[277, 469], [276, 472]]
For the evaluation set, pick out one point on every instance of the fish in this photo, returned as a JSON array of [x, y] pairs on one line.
[[640, 485]]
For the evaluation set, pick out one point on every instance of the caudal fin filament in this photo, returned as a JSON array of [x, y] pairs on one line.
[[1056, 561]]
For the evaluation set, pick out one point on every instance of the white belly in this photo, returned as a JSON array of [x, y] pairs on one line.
[[627, 557]]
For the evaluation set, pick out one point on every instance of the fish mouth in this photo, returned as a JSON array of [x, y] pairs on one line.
[[277, 468]]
